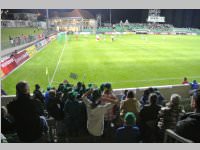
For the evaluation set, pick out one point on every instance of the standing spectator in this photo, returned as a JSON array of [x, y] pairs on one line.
[[111, 114], [74, 116], [11, 40], [37, 94], [125, 95], [189, 125], [144, 98], [55, 110], [148, 118], [185, 81], [46, 96], [129, 133], [131, 104], [3, 92], [27, 121], [96, 112], [194, 86]]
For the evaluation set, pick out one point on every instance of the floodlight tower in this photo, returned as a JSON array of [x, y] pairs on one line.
[[154, 16]]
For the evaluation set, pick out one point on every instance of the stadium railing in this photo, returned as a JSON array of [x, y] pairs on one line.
[[172, 137]]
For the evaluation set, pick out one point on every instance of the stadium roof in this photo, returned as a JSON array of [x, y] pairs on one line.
[[78, 13]]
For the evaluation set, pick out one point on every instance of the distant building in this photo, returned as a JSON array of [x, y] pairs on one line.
[[74, 21], [25, 16]]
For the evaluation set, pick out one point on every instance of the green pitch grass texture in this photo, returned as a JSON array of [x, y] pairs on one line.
[[129, 61]]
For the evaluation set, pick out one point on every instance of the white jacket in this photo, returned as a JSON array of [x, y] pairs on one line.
[[95, 122]]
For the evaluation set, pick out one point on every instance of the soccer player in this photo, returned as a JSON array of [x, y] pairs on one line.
[[112, 37], [97, 37]]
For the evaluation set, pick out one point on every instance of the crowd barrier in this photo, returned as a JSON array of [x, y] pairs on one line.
[[166, 91]]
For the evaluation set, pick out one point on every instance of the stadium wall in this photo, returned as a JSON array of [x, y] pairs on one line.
[[166, 91]]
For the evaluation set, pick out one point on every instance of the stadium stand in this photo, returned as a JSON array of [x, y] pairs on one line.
[[12, 37], [67, 93]]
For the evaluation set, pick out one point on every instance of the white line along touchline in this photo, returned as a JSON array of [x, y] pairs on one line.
[[58, 63]]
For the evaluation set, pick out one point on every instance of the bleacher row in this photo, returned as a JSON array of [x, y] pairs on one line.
[[137, 27]]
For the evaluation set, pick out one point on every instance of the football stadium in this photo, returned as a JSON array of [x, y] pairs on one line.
[[100, 76]]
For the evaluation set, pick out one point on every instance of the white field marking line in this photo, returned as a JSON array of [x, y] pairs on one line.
[[158, 79], [58, 62]]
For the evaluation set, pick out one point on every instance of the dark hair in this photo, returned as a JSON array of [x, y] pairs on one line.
[[153, 98], [130, 94], [52, 93], [21, 87], [96, 95], [37, 86]]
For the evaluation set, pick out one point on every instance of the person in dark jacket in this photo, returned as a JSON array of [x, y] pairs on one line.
[[7, 126], [23, 110], [129, 133], [74, 115], [148, 118], [189, 125], [37, 94]]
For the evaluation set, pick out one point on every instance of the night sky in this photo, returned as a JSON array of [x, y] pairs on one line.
[[176, 17]]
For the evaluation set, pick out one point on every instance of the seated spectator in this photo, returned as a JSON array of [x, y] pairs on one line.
[[148, 118], [129, 133], [169, 115], [189, 125], [37, 94], [131, 104], [185, 81], [27, 121], [96, 112]]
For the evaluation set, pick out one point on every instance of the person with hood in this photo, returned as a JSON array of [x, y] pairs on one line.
[[189, 125]]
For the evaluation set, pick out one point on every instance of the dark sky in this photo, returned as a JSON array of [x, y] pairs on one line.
[[177, 17]]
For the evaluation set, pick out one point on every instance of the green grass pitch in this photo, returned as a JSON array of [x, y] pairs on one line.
[[129, 61]]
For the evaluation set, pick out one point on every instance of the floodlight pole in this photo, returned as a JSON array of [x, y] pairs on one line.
[[110, 17], [47, 19]]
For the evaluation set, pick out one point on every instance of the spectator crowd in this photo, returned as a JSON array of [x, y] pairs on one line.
[[98, 114]]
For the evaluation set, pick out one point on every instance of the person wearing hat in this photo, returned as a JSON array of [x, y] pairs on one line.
[[189, 125], [129, 132]]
